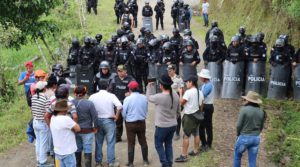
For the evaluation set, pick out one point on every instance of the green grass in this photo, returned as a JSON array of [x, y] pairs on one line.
[[15, 114], [207, 159], [284, 136]]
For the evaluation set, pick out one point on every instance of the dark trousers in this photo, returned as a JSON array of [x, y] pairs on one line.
[[206, 127], [175, 22], [92, 6], [178, 125], [119, 128], [161, 19], [140, 80], [133, 129], [135, 21]]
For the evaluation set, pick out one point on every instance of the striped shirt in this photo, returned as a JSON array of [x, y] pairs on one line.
[[39, 106]]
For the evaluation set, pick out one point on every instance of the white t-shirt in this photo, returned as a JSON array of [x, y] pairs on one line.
[[205, 7], [63, 137], [192, 104]]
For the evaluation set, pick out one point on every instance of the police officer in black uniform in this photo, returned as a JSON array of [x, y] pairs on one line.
[[142, 31], [186, 16], [133, 9], [87, 56], [242, 35], [160, 10], [140, 61], [176, 41], [187, 33], [104, 74], [214, 52], [154, 55], [257, 51], [280, 55], [175, 13], [214, 30], [124, 56], [147, 10], [119, 9], [167, 57], [120, 88], [108, 53], [148, 36], [235, 51], [189, 58], [92, 4], [74, 53], [290, 48], [262, 45]]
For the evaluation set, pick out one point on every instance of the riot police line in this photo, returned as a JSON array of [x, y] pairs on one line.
[[235, 69]]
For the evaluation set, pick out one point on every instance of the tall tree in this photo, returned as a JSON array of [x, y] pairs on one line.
[[24, 15]]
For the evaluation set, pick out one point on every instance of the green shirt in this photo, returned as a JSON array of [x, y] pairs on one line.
[[250, 121]]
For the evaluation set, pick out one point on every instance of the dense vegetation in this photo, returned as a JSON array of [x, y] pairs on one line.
[[14, 113]]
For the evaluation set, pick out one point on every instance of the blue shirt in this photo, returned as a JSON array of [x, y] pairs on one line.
[[28, 82], [207, 90], [135, 107]]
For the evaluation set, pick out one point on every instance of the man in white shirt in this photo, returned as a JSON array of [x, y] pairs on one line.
[[205, 7], [192, 99], [105, 104]]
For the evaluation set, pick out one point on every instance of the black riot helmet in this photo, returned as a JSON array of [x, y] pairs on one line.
[[187, 32], [214, 39], [114, 38], [98, 37], [186, 6], [285, 38], [147, 31], [242, 30], [260, 36], [109, 44], [235, 38], [164, 38], [189, 43], [75, 43], [126, 26], [120, 32], [214, 23], [87, 41], [140, 42], [124, 42], [253, 39], [126, 10], [142, 30], [57, 69], [93, 42], [154, 42], [167, 46], [131, 37], [181, 3], [279, 43], [104, 64], [175, 31]]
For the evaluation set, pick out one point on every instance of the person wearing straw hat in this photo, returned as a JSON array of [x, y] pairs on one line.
[[62, 129], [206, 127], [249, 126]]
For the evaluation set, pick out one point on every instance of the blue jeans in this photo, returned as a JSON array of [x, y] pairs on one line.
[[41, 131], [50, 144], [107, 130], [66, 160], [205, 18], [85, 142], [163, 144], [243, 143]]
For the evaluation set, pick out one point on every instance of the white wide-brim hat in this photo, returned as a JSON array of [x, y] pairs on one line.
[[204, 73]]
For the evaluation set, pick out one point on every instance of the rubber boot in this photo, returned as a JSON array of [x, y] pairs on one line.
[[88, 159], [78, 159], [145, 154]]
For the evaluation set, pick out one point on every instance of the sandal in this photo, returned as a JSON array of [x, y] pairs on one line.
[[181, 158]]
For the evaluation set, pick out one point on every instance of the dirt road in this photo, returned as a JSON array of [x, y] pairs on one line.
[[225, 117]]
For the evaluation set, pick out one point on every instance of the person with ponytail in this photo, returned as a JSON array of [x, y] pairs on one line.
[[39, 105], [87, 120], [192, 101], [166, 108]]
